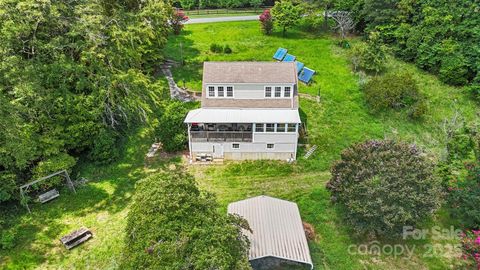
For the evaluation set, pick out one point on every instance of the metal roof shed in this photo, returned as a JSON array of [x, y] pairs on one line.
[[277, 240]]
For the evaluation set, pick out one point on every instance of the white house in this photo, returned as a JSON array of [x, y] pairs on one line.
[[249, 111]]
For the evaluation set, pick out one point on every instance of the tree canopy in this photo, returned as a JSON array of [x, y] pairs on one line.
[[286, 14], [74, 75], [174, 225]]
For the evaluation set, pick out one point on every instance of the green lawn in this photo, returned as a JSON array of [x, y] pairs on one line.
[[341, 118]]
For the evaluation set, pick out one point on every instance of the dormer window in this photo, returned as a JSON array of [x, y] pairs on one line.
[[278, 91], [229, 91], [268, 91], [211, 91], [220, 91]]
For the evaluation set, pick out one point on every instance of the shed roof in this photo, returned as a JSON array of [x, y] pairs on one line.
[[205, 115], [249, 72], [277, 229]]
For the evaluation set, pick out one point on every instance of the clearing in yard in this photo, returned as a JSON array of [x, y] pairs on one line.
[[338, 120]]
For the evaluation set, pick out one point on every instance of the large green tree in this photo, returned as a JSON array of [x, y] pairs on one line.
[[72, 72], [173, 225], [286, 14]]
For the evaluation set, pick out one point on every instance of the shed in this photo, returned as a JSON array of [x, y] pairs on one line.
[[277, 240]]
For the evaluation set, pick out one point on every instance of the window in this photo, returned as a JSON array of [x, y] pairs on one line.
[[270, 128], [229, 91], [211, 91], [286, 91], [270, 145], [291, 127], [258, 127], [235, 146], [278, 91], [220, 91], [280, 127], [268, 91]]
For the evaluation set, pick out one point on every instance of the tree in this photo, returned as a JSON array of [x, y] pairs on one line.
[[286, 14], [266, 22], [174, 225], [177, 21], [384, 185], [345, 23], [370, 56], [171, 129], [73, 71]]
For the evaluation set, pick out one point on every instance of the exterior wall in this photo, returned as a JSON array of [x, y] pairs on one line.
[[249, 96], [282, 151]]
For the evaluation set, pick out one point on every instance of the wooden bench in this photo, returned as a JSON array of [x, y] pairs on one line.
[[48, 196], [76, 238]]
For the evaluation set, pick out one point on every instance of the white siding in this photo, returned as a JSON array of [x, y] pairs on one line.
[[266, 137], [251, 91]]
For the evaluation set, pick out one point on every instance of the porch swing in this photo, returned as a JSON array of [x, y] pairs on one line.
[[49, 195]]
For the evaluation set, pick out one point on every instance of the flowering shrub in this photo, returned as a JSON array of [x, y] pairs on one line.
[[177, 21], [471, 247], [383, 186], [266, 21]]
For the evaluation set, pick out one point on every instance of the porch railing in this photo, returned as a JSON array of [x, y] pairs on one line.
[[221, 136]]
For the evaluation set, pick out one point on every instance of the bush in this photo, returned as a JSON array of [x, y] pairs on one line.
[[227, 49], [395, 91], [171, 129], [266, 22], [62, 161], [173, 225], [177, 20], [105, 147], [470, 240], [216, 48], [7, 186], [369, 56], [384, 185], [464, 198]]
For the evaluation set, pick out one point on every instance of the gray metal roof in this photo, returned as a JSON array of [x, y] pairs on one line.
[[204, 115], [277, 229], [249, 72]]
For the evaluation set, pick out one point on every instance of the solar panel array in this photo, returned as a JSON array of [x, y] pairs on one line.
[[280, 54], [304, 74]]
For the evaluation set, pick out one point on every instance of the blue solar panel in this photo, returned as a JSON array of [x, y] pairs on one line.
[[306, 75], [299, 65], [279, 54], [289, 58]]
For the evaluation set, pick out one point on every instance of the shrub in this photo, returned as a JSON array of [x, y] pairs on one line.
[[369, 56], [171, 129], [470, 240], [105, 148], [62, 161], [266, 22], [7, 186], [384, 185], [227, 49], [395, 91], [177, 20], [173, 225], [464, 197], [216, 48]]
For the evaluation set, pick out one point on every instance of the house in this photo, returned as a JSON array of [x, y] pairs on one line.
[[249, 110], [277, 239]]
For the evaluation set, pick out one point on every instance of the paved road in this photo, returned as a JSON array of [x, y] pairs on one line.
[[223, 19]]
